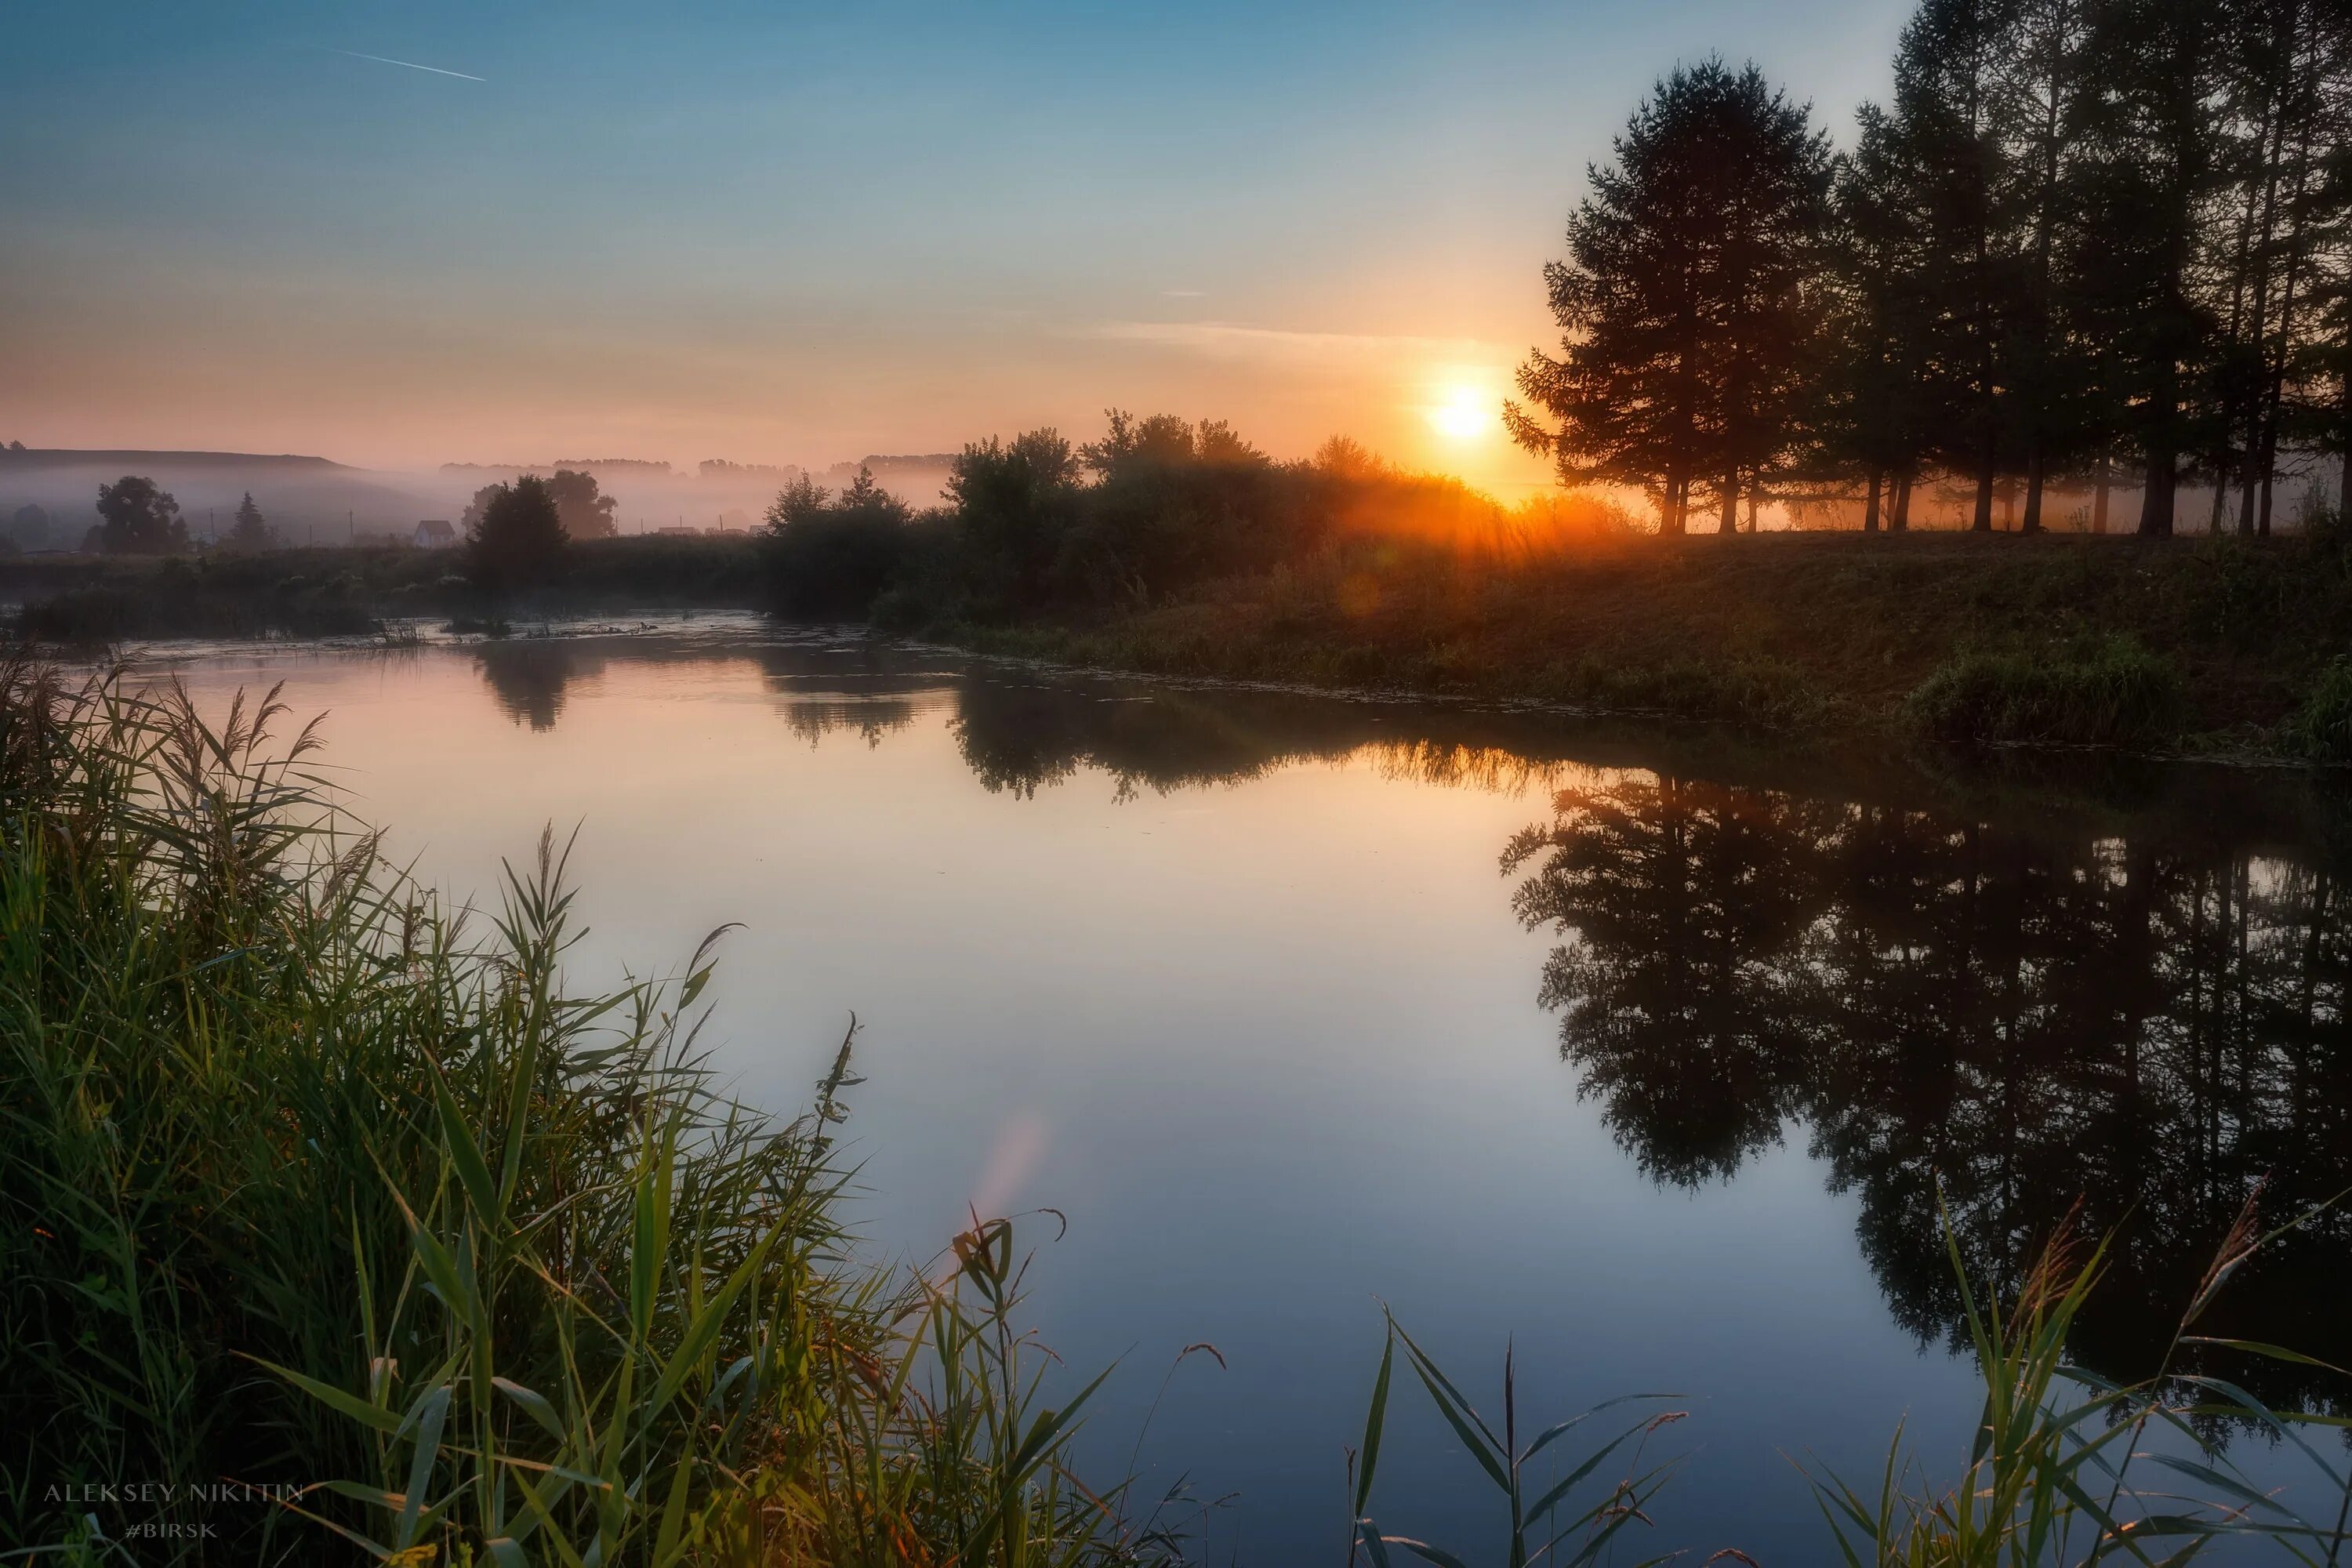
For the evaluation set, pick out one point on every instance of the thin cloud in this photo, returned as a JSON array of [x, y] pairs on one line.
[[412, 65], [1184, 293], [1226, 339]]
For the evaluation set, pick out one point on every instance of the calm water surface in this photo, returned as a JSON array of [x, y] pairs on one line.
[[1634, 1051]]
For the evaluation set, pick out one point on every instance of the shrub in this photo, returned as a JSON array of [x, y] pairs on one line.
[[2110, 692], [833, 556], [2321, 727]]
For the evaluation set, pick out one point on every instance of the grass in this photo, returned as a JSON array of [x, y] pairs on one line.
[[2109, 692], [2054, 1477], [342, 592], [2200, 644], [303, 1185]]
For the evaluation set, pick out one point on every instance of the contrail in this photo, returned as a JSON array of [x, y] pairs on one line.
[[412, 65]]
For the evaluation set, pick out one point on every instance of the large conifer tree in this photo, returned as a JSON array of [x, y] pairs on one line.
[[1688, 300]]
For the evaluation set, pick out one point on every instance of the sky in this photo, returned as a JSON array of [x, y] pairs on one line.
[[777, 231]]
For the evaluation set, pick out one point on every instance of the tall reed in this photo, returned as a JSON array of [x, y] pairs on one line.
[[304, 1186]]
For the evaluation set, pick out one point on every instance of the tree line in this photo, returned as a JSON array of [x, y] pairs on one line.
[[2088, 243], [1158, 505]]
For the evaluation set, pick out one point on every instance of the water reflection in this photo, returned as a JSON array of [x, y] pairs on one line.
[[2149, 1021], [2105, 980], [528, 676]]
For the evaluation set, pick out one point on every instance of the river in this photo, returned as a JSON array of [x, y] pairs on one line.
[[1640, 1050]]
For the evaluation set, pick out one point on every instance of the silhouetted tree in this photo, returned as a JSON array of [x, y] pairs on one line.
[[250, 531], [585, 512], [1871, 405], [139, 519], [1687, 297], [1016, 503], [471, 519], [518, 539], [2151, 170], [832, 557], [2039, 90], [30, 527]]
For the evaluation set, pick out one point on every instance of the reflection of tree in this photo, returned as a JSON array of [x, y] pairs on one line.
[[528, 675], [872, 718], [2012, 1020], [1677, 897]]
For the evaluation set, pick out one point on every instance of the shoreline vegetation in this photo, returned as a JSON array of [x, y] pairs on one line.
[[2211, 647], [316, 1194]]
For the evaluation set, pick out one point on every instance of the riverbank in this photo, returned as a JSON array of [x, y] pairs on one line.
[[354, 592], [2209, 646], [2213, 648]]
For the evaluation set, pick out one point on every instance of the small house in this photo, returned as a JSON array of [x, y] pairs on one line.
[[433, 534]]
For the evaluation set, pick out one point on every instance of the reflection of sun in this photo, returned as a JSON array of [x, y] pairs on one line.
[[1465, 415]]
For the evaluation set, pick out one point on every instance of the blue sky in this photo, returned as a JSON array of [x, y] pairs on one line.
[[791, 232]]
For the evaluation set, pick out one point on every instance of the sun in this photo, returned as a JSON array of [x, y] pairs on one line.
[[1465, 415]]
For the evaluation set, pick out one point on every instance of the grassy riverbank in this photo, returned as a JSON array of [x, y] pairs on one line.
[[2201, 645], [2205, 645], [340, 592]]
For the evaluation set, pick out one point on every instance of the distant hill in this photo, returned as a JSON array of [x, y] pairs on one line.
[[132, 460], [306, 498]]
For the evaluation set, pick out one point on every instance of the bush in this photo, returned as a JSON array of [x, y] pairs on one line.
[[2109, 692], [2321, 728], [832, 557]]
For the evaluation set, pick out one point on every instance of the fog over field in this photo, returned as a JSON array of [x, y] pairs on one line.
[[316, 500]]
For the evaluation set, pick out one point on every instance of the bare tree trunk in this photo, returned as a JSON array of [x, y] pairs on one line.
[[2156, 506], [1870, 509], [1670, 506], [1901, 521], [2274, 394], [2033, 480], [2099, 496], [1730, 519], [1982, 522]]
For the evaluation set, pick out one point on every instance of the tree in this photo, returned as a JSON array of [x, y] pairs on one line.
[[1687, 297], [2151, 173], [586, 514], [1871, 407], [833, 556], [471, 519], [2040, 93], [1016, 502], [1944, 148], [30, 527], [139, 519], [251, 531], [518, 539]]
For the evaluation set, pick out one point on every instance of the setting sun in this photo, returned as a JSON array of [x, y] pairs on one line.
[[1465, 414]]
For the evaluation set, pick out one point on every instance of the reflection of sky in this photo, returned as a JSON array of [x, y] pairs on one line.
[[791, 232], [1273, 1047]]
